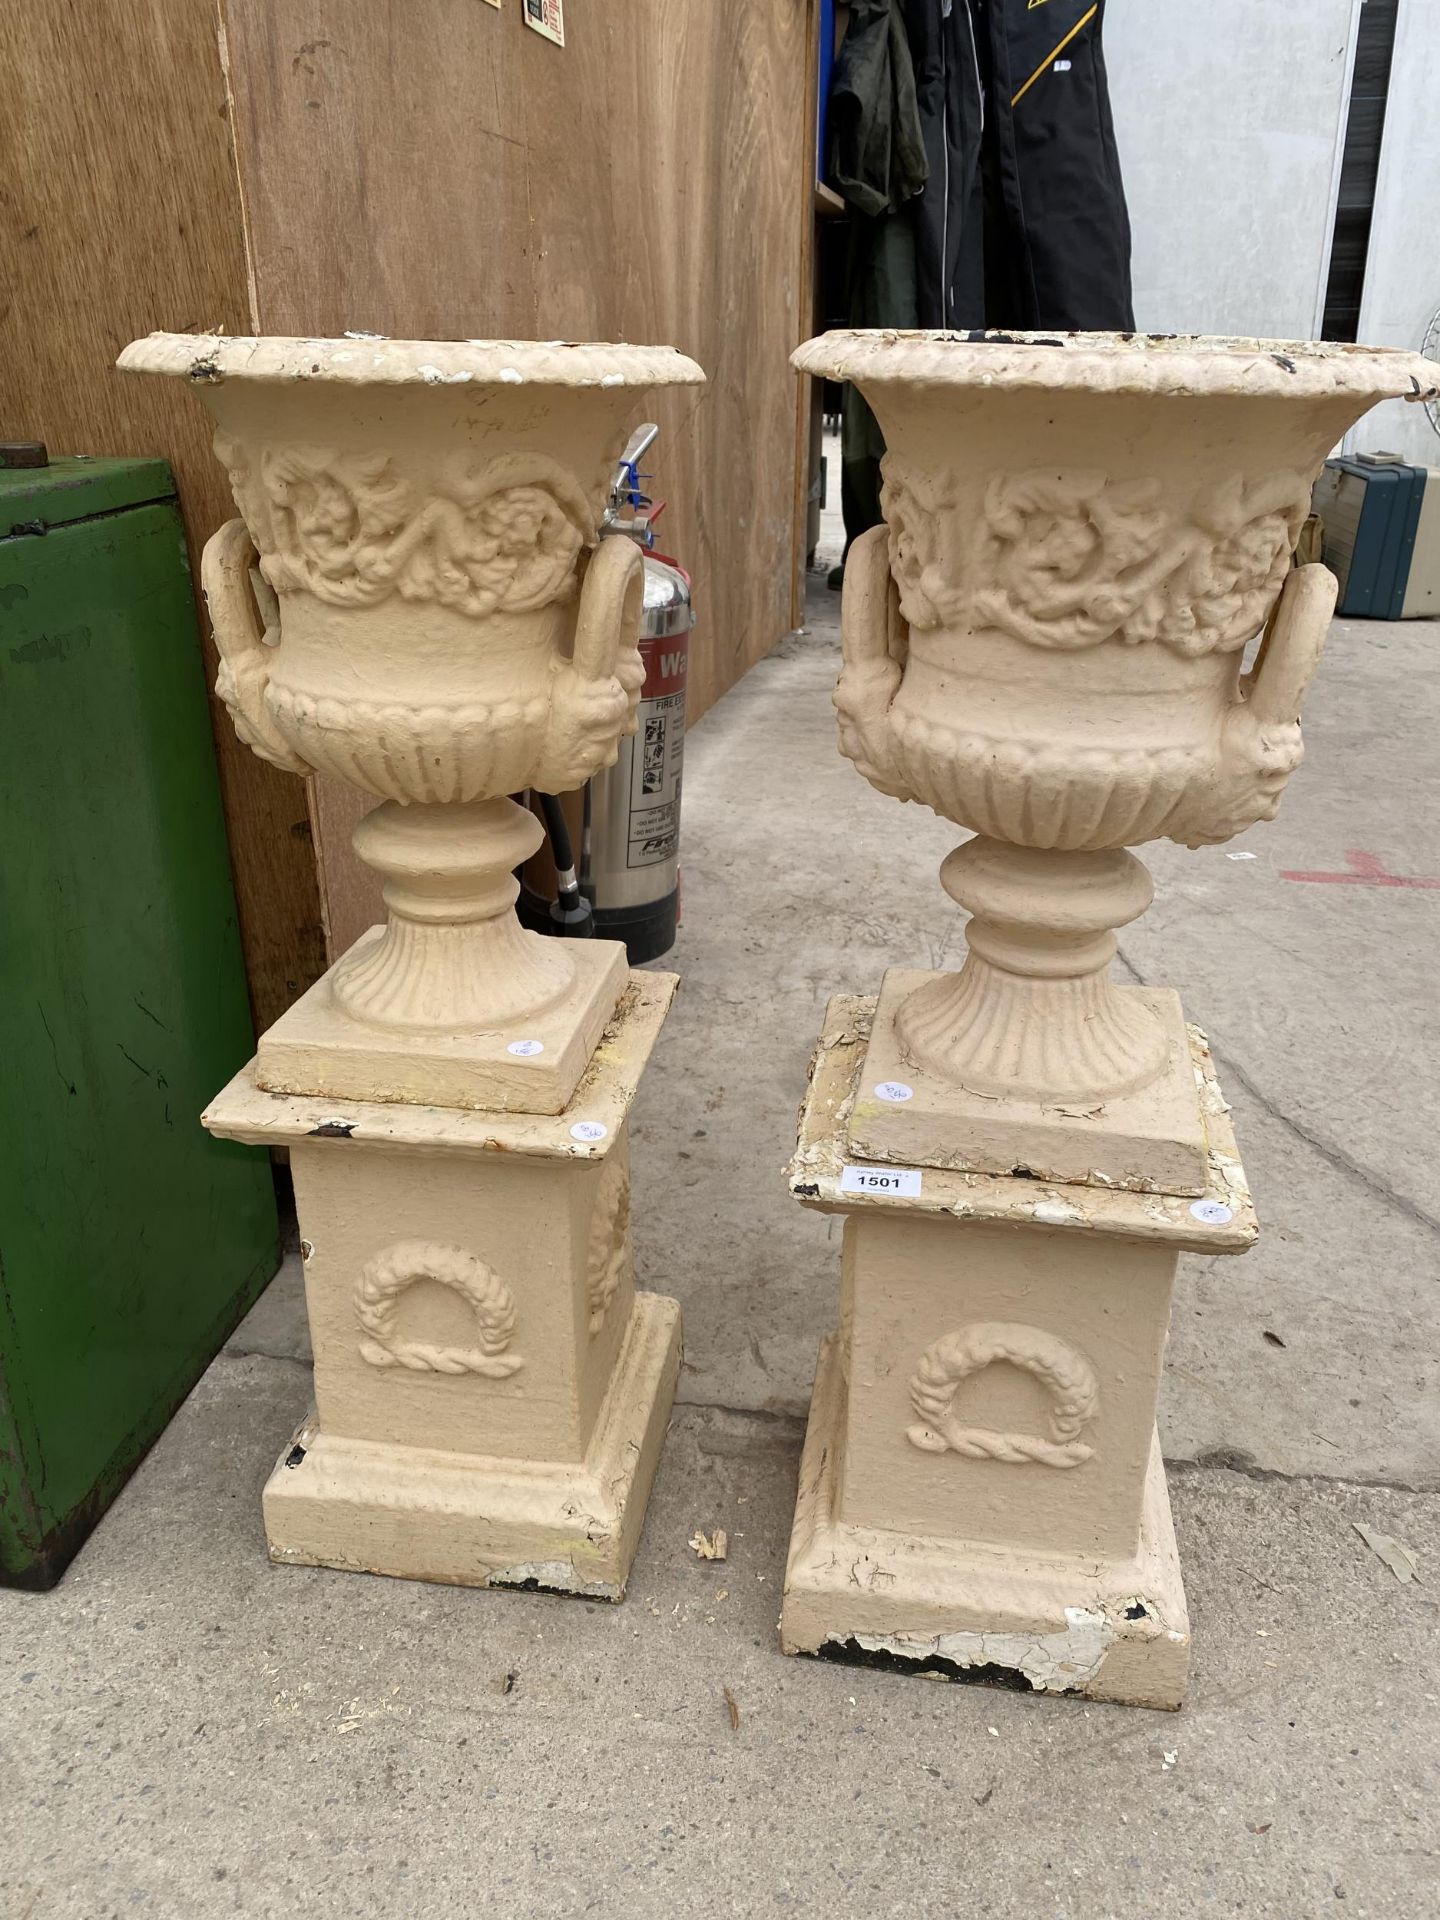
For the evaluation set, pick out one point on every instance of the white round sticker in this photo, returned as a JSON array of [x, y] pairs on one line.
[[1213, 1212], [894, 1091], [525, 1048], [589, 1130]]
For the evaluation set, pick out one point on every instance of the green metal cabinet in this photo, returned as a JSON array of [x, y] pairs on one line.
[[130, 1241]]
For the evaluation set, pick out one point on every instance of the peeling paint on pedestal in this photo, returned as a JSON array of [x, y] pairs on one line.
[[1051, 1662], [1067, 1661], [556, 1576]]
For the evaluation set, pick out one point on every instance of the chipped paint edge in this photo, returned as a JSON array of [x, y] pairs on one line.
[[1063, 1662], [556, 1576]]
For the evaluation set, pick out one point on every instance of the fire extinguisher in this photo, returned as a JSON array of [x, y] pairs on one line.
[[627, 886]]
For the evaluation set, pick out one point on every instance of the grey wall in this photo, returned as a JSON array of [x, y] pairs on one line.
[[1230, 117], [1402, 269]]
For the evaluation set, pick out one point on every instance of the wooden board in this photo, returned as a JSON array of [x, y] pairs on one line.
[[809, 426], [119, 213], [437, 171]]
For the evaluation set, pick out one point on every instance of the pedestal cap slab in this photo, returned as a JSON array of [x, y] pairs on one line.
[[585, 1131], [1221, 1219]]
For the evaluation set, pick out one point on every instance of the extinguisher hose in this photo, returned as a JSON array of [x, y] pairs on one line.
[[571, 909]]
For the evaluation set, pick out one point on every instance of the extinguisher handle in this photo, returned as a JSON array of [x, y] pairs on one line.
[[625, 487]]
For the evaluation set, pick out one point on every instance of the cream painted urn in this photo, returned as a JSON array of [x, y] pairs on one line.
[[1046, 643], [414, 600]]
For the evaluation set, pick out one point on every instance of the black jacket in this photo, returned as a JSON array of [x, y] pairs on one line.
[[986, 124], [972, 140], [1055, 202]]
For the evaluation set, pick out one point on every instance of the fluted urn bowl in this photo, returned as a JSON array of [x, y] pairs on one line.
[[1044, 641], [420, 510], [1084, 532], [414, 599]]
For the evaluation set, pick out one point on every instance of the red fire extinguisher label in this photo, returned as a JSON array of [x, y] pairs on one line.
[[666, 662], [658, 752]]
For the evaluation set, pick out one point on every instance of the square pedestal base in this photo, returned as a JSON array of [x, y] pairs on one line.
[[1106, 1630], [371, 1507], [316, 1048], [1151, 1142], [491, 1392]]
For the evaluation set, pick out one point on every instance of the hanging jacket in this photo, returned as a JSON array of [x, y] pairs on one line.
[[1057, 242], [877, 151], [990, 120], [877, 163], [948, 213], [977, 151]]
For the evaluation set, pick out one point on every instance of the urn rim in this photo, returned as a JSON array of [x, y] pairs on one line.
[[368, 360], [1180, 365]]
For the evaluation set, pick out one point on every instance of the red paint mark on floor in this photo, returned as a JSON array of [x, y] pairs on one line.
[[1366, 870]]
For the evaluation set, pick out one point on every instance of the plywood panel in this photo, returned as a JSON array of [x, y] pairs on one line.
[[119, 212], [350, 892], [718, 265], [439, 170]]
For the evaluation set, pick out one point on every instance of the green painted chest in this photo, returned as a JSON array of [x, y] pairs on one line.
[[130, 1241]]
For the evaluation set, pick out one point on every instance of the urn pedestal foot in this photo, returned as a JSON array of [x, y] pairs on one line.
[[1153, 1140], [366, 1506], [1033, 1013], [452, 1002], [981, 1486], [533, 1064], [1030, 1059], [491, 1392], [1103, 1628]]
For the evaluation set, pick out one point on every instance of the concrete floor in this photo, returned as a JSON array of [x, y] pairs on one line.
[[186, 1731]]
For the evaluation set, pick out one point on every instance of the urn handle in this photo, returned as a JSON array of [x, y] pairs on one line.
[[597, 689], [875, 643], [244, 613], [1260, 746], [1290, 651]]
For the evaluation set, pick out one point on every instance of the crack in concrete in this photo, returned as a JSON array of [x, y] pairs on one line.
[[1220, 1460], [1331, 1154], [263, 1353], [1236, 1461]]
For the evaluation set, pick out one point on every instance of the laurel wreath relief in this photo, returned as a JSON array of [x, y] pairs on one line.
[[1066, 1375], [389, 1275]]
